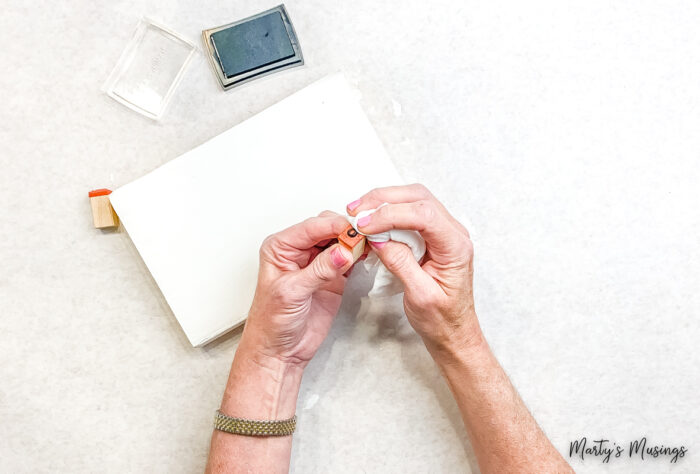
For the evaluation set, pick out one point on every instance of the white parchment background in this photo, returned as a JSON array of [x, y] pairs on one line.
[[568, 133]]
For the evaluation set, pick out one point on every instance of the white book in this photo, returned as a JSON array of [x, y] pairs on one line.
[[198, 221]]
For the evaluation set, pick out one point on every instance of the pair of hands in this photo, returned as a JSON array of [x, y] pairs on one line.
[[301, 278], [300, 284]]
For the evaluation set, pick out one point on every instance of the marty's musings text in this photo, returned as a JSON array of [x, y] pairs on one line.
[[605, 450]]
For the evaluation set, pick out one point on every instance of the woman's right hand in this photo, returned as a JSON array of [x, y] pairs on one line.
[[438, 297]]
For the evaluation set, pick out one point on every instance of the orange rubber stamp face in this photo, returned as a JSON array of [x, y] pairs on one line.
[[353, 241]]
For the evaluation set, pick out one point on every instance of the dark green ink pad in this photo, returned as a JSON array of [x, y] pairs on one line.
[[253, 47], [253, 44]]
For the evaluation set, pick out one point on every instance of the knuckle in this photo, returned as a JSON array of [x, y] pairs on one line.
[[384, 214], [373, 193], [321, 271], [443, 305], [420, 190], [283, 292], [425, 211], [398, 260], [421, 299], [426, 300], [466, 249], [268, 244], [327, 213], [462, 228], [463, 253], [277, 293], [469, 248]]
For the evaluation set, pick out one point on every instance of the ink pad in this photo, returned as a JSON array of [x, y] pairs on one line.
[[252, 47], [253, 44]]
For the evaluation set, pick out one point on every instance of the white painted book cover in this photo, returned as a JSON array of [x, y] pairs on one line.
[[198, 221]]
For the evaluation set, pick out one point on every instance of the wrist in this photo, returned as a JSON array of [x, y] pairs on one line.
[[460, 344], [261, 387], [464, 365], [263, 335]]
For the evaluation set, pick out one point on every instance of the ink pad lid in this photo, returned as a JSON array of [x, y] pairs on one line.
[[253, 47], [149, 69]]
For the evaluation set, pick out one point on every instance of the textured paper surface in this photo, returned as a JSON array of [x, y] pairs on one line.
[[198, 221], [567, 132]]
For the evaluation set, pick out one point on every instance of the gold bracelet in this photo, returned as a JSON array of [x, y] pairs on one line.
[[242, 426]]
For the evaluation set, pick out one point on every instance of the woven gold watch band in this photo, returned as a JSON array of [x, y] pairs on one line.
[[242, 426]]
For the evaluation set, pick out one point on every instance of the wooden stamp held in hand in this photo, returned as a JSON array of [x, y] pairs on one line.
[[103, 215], [353, 241]]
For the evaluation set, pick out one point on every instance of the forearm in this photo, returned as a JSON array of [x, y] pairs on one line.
[[503, 433], [259, 389]]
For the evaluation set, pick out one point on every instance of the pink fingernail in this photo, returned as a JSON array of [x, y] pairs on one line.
[[354, 204], [338, 258], [377, 245], [363, 221]]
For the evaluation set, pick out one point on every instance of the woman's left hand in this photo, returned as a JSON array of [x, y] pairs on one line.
[[300, 285]]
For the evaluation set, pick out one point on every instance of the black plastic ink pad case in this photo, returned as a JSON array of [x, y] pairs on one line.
[[253, 47]]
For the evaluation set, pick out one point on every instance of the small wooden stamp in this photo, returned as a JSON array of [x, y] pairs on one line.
[[353, 241], [103, 215]]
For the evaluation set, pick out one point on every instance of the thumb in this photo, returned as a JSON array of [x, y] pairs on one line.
[[399, 260], [326, 269]]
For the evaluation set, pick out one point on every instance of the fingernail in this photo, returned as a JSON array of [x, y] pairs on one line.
[[354, 204], [338, 258], [377, 245], [363, 221]]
